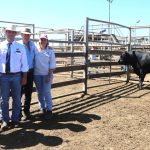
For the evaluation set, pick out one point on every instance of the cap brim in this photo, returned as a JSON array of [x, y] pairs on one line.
[[43, 38]]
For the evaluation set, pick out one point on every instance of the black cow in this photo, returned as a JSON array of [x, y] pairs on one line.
[[140, 62]]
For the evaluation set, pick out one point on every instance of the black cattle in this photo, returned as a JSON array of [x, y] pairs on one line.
[[140, 62]]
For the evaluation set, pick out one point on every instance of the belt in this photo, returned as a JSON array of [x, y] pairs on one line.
[[10, 73]]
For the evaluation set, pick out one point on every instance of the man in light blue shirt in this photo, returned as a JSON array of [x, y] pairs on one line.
[[27, 89]]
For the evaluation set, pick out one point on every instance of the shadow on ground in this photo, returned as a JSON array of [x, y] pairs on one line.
[[29, 133], [81, 105]]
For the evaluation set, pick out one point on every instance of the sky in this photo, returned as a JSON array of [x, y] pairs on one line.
[[60, 14]]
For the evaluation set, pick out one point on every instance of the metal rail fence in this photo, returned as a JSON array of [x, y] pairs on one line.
[[73, 52]]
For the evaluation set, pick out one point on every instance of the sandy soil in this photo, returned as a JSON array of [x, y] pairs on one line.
[[113, 116]]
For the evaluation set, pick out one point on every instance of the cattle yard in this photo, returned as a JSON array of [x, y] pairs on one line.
[[112, 115]]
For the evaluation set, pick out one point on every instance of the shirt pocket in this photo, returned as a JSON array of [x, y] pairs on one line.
[[17, 53], [16, 57]]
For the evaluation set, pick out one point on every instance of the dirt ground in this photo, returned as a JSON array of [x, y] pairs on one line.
[[113, 116]]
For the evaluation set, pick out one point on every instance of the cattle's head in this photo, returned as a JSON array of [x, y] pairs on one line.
[[123, 60]]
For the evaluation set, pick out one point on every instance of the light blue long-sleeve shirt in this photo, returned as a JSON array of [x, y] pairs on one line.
[[30, 53]]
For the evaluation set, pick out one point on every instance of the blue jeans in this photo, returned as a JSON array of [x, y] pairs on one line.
[[44, 91], [11, 83]]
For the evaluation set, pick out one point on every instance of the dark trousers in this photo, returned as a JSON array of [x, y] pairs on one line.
[[27, 90]]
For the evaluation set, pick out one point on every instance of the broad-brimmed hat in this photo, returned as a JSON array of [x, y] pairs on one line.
[[11, 27], [43, 36], [26, 31]]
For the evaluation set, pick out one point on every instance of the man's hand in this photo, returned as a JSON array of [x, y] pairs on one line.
[[23, 81], [24, 78]]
